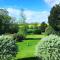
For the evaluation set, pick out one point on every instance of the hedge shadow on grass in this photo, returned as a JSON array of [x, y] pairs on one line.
[[30, 58], [32, 38]]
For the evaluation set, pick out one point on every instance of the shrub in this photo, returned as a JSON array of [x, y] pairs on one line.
[[19, 37], [8, 47], [43, 26], [37, 31], [49, 48], [21, 34], [49, 30], [30, 31], [13, 28], [34, 31]]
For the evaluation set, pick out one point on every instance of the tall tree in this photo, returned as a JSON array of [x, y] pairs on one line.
[[4, 20], [7, 25], [54, 18], [23, 18], [23, 29]]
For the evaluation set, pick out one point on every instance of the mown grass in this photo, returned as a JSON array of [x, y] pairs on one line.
[[35, 36], [27, 47]]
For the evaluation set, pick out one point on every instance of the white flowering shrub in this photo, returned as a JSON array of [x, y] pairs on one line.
[[7, 47], [49, 48]]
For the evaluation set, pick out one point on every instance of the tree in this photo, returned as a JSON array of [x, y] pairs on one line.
[[13, 27], [6, 22], [23, 18], [54, 18], [23, 29], [3, 12], [43, 26]]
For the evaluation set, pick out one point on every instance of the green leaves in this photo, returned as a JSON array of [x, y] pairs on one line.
[[6, 23], [7, 47], [49, 48], [54, 18]]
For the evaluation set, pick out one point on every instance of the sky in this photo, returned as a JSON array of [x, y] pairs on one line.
[[34, 10]]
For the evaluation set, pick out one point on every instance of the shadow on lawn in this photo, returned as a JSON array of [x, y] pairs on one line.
[[32, 38], [30, 58]]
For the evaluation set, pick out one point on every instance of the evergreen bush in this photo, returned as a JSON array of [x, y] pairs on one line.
[[49, 30]]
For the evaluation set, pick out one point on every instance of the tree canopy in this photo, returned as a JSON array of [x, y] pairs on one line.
[[6, 24], [54, 18]]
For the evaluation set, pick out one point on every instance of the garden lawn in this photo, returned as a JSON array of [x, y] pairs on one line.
[[27, 47], [35, 36]]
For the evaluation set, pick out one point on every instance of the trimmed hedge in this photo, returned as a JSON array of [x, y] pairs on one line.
[[49, 48], [37, 31]]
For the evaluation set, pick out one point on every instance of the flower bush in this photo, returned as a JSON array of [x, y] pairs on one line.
[[49, 48], [8, 47]]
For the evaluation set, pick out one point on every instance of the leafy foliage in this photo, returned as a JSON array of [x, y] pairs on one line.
[[30, 31], [54, 18], [43, 26], [8, 47], [49, 30], [23, 28], [37, 31], [19, 37], [6, 24], [13, 28], [49, 48]]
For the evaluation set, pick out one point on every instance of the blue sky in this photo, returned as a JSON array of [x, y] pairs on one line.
[[35, 10], [29, 4]]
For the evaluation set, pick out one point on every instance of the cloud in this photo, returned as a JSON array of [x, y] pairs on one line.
[[36, 16], [52, 2], [14, 12], [32, 16]]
